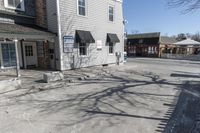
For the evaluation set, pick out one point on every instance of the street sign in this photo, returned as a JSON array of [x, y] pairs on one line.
[[99, 45]]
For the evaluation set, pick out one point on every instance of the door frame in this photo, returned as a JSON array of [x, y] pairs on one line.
[[24, 52], [52, 62]]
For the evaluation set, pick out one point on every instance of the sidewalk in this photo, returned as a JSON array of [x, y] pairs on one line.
[[34, 78]]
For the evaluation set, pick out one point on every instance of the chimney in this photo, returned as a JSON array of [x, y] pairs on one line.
[[41, 14]]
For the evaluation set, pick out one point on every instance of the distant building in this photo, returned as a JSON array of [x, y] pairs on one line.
[[147, 44], [187, 46], [143, 45], [166, 43], [180, 49]]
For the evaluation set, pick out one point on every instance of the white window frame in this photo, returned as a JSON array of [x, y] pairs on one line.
[[2, 62], [112, 14], [85, 9], [155, 48], [150, 50], [113, 48], [15, 8], [86, 45]]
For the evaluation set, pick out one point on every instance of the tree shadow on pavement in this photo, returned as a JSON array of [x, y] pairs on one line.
[[184, 112], [185, 75], [112, 102]]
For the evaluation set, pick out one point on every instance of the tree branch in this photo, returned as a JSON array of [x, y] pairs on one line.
[[188, 5]]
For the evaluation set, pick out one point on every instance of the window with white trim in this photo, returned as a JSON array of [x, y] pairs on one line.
[[111, 13], [8, 54], [82, 7], [149, 50], [82, 49], [14, 4], [111, 48], [152, 50]]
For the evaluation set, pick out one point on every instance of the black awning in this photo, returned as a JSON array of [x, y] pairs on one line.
[[112, 38], [84, 37]]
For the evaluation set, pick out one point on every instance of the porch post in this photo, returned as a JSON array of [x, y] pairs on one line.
[[177, 50], [17, 58], [1, 57]]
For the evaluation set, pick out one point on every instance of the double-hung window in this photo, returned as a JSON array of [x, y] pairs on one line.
[[111, 13], [111, 48], [83, 49], [82, 7], [14, 4]]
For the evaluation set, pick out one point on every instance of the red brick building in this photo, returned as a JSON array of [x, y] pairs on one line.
[[143, 45], [147, 44]]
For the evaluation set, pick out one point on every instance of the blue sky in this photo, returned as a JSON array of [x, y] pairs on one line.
[[156, 16]]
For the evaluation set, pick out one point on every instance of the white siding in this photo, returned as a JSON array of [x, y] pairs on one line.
[[97, 22]]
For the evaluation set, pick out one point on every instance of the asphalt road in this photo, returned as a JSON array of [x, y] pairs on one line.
[[184, 113], [145, 95]]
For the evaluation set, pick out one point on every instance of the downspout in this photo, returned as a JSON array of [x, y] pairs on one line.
[[123, 36], [59, 35]]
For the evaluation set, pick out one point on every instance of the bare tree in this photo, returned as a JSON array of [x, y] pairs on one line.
[[135, 31], [196, 37], [181, 37], [188, 35], [188, 5]]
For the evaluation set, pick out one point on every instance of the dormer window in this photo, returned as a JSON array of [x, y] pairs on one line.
[[14, 4]]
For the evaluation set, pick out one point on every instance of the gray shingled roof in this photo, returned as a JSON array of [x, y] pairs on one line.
[[167, 40], [187, 42], [23, 30], [144, 35]]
